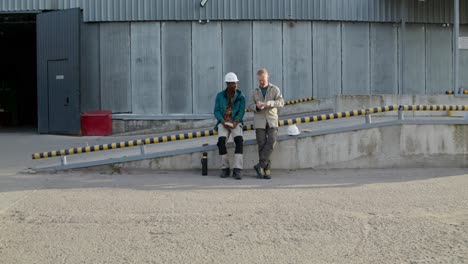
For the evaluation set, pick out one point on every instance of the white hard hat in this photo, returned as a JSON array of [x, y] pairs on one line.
[[231, 77], [293, 130]]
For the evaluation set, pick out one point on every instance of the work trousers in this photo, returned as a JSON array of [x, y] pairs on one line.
[[223, 136], [266, 141]]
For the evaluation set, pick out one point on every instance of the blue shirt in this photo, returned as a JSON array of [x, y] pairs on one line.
[[264, 91]]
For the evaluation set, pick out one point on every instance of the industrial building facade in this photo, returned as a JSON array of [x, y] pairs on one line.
[[146, 59]]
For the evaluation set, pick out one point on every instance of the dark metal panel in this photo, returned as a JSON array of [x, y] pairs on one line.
[[90, 75], [326, 39], [384, 59], [207, 65], [58, 38], [115, 67], [297, 60], [439, 63], [237, 53], [176, 67], [414, 61], [355, 57], [146, 67], [267, 50]]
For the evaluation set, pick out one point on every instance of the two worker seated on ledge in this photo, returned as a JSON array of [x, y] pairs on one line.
[[229, 112]]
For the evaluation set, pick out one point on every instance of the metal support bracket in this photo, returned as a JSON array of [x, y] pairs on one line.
[[368, 118], [401, 114], [63, 160], [142, 149]]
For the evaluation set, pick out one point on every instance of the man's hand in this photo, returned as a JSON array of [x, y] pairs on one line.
[[260, 105], [228, 124]]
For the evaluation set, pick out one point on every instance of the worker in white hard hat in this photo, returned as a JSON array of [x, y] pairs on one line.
[[265, 102], [229, 111]]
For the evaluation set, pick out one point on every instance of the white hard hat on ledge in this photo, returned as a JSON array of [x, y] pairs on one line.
[[293, 130]]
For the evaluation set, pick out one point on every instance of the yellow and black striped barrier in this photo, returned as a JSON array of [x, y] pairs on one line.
[[292, 102], [207, 133], [339, 115], [434, 107], [452, 92]]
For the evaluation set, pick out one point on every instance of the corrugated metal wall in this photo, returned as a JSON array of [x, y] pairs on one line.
[[26, 5], [437, 11], [429, 11], [177, 67]]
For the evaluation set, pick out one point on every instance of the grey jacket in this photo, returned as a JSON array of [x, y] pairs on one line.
[[269, 113]]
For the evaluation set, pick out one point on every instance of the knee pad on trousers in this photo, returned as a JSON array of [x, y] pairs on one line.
[[222, 145], [239, 140]]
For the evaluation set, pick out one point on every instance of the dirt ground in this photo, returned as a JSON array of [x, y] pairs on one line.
[[333, 216]]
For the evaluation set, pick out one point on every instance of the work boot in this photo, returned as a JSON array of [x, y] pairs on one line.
[[237, 174], [259, 170], [225, 173], [267, 174]]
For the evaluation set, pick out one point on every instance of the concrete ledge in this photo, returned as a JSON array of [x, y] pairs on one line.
[[399, 143]]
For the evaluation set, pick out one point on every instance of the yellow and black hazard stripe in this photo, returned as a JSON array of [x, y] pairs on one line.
[[207, 133], [452, 92], [124, 144], [298, 101], [434, 107], [339, 115], [292, 102]]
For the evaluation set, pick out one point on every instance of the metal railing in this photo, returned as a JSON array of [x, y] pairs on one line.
[[206, 133]]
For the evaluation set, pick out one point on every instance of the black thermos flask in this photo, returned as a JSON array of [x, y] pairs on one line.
[[204, 162]]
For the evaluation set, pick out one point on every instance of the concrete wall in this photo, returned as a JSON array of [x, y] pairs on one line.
[[389, 146], [154, 68], [130, 125]]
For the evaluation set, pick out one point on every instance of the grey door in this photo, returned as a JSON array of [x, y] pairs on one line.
[[58, 52], [60, 93]]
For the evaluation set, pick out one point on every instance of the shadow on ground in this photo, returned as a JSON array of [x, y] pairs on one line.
[[192, 180]]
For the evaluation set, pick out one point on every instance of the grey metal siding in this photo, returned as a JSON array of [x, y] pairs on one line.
[[326, 58], [355, 57], [297, 59], [25, 5], [207, 70], [115, 67], [308, 57], [90, 72], [237, 53], [356, 10], [414, 79], [438, 59], [146, 67], [431, 11], [384, 59], [464, 61], [267, 50], [176, 67]]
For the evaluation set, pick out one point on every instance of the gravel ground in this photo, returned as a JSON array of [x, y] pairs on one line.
[[311, 216]]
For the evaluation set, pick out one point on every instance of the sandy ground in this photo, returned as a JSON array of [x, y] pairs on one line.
[[334, 216]]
